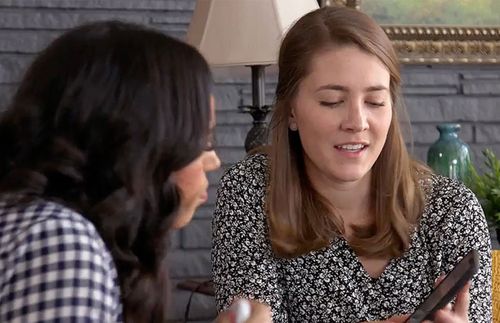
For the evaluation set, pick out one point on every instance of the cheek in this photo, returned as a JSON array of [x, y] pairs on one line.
[[382, 132], [388, 121], [318, 130], [313, 123], [382, 122], [188, 179]]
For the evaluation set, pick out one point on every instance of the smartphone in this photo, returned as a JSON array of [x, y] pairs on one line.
[[448, 288]]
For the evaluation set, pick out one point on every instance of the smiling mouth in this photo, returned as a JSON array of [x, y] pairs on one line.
[[351, 147]]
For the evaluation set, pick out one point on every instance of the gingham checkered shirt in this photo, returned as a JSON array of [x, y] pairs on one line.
[[54, 266]]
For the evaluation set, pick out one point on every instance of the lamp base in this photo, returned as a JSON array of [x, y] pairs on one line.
[[258, 134], [256, 137]]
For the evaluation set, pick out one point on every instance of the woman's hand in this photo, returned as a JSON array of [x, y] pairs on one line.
[[260, 313], [457, 313]]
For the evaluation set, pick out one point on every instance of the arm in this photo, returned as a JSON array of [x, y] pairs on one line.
[[243, 262], [59, 269], [466, 228]]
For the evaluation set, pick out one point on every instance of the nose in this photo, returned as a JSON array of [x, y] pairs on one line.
[[211, 161], [355, 119]]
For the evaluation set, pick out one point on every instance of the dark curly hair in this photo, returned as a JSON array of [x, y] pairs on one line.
[[101, 119]]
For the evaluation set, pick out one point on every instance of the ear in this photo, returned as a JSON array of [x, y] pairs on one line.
[[292, 115], [292, 122]]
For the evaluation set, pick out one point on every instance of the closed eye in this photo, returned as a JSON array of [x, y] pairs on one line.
[[330, 104], [376, 104]]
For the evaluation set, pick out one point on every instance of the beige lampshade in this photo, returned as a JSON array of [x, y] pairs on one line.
[[243, 32]]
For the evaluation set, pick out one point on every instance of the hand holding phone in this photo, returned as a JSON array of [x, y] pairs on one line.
[[447, 288]]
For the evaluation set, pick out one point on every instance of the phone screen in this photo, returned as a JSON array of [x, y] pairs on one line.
[[447, 288]]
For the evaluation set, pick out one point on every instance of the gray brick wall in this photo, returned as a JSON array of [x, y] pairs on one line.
[[433, 94], [469, 95]]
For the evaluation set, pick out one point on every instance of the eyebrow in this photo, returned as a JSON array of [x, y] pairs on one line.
[[336, 87]]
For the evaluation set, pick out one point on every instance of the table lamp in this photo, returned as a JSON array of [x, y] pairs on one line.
[[246, 32]]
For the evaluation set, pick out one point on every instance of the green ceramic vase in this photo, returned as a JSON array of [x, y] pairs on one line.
[[449, 156]]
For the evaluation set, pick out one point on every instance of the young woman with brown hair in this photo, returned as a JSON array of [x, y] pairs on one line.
[[335, 222]]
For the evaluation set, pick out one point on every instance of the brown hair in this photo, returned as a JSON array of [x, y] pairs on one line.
[[300, 219]]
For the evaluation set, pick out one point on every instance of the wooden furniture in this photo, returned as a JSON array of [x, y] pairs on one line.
[[495, 284]]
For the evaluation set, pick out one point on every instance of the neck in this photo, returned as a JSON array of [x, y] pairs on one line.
[[351, 199]]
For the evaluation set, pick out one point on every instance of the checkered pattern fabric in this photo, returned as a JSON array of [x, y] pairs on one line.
[[54, 267]]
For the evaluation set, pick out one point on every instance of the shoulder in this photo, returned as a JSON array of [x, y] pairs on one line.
[[20, 217], [252, 169], [37, 228], [50, 228], [243, 186], [50, 245], [446, 190], [450, 200]]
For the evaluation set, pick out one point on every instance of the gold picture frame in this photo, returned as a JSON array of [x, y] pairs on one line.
[[433, 44]]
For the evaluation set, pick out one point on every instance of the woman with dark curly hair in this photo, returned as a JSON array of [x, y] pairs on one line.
[[105, 147]]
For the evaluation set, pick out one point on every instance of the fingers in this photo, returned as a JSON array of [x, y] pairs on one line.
[[225, 317], [462, 301], [461, 307], [261, 313], [398, 319], [439, 279], [459, 312], [443, 316]]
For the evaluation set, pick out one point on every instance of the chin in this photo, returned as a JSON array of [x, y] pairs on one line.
[[352, 176], [352, 179], [183, 218]]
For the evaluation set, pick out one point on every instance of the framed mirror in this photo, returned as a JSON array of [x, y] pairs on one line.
[[437, 31]]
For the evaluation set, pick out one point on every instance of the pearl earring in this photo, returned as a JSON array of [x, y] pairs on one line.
[[293, 126]]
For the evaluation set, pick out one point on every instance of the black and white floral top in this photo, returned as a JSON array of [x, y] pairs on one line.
[[330, 284]]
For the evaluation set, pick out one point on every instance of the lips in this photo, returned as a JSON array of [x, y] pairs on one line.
[[351, 147], [204, 197]]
